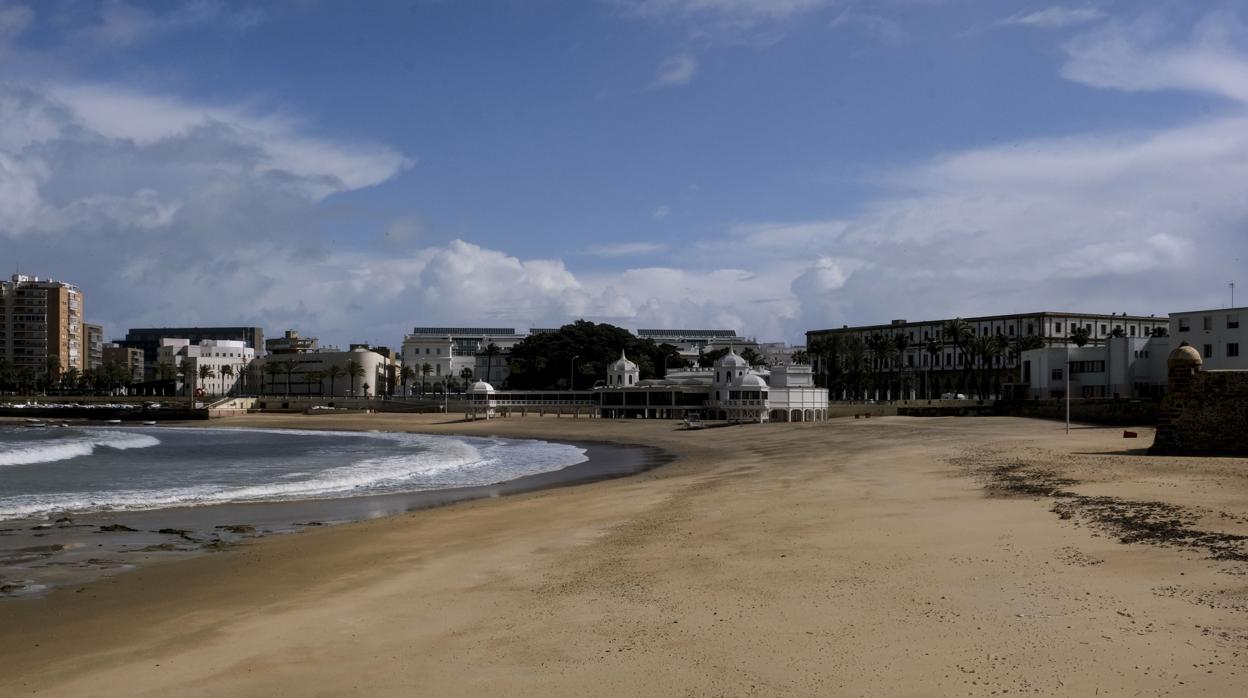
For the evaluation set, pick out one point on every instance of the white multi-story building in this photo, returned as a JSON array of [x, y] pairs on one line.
[[451, 350], [1218, 335], [1125, 367], [227, 359]]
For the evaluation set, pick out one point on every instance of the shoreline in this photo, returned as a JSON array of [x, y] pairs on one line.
[[38, 556], [857, 558]]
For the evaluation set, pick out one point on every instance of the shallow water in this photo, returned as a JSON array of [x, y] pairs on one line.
[[54, 471]]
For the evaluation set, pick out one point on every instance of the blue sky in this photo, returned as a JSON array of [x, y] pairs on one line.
[[771, 166]]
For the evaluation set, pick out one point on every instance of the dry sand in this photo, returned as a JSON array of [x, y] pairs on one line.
[[878, 557]]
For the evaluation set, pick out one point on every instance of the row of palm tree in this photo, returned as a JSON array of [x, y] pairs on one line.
[[849, 365], [109, 378]]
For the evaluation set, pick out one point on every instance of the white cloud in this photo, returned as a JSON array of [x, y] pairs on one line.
[[1054, 17], [878, 27], [1138, 56], [661, 212], [626, 249], [725, 21], [676, 71], [118, 23]]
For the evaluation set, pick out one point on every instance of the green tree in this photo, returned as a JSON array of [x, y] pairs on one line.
[[406, 374], [1080, 336], [542, 361], [354, 370], [425, 370], [801, 357], [206, 372], [707, 359], [934, 351], [959, 333], [752, 357], [289, 368], [333, 373], [227, 373], [272, 369], [311, 378], [489, 352]]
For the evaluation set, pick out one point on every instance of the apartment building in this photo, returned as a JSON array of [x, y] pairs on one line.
[[95, 345], [149, 339], [1219, 335], [41, 327], [130, 358]]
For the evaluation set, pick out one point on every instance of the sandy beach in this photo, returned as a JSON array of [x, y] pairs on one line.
[[895, 556]]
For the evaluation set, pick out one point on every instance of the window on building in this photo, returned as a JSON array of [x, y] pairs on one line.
[[1208, 351], [1057, 327], [1131, 330], [1055, 374], [1232, 350], [1104, 328], [1011, 330], [1207, 322], [1232, 322], [1184, 325], [1030, 329]]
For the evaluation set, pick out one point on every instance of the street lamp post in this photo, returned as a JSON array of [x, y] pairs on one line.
[[572, 373]]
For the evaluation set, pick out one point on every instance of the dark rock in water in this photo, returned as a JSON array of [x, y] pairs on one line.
[[181, 532], [309, 523], [116, 528], [240, 529], [10, 588], [40, 527], [63, 520], [162, 547], [216, 545]]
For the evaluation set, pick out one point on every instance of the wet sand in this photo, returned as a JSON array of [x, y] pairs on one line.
[[892, 556]]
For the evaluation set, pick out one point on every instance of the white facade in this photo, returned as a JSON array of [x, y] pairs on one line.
[[309, 373], [450, 350], [1219, 335], [228, 361], [1125, 367]]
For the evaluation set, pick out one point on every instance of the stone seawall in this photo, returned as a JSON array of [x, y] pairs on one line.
[[1107, 411], [1205, 413]]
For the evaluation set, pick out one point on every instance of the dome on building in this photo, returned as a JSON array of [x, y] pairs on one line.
[[623, 364], [481, 387], [752, 380], [1184, 355], [732, 360]]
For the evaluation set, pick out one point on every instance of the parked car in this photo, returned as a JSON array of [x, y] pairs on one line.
[[953, 396]]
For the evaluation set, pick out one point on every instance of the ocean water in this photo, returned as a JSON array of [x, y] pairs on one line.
[[78, 469]]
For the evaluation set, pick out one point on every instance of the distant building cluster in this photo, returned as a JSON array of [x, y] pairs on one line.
[[46, 343]]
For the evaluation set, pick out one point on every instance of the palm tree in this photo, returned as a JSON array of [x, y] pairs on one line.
[[901, 342], [490, 351], [354, 370], [425, 370], [406, 374], [1017, 346], [855, 365], [312, 377], [882, 350], [206, 372], [958, 332], [289, 368], [273, 370], [227, 371], [466, 374], [933, 352], [187, 370], [800, 357], [333, 373], [1080, 336]]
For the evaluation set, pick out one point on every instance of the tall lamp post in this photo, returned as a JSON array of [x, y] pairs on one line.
[[572, 373]]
